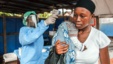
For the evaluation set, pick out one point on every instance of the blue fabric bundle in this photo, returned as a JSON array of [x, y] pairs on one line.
[[62, 35]]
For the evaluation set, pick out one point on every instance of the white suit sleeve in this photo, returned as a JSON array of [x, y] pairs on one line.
[[28, 36]]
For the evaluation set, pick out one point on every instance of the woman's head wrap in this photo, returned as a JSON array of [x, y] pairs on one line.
[[88, 4]]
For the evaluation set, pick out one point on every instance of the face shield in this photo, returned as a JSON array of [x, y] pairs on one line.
[[34, 19]]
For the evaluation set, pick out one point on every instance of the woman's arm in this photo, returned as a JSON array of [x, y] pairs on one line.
[[104, 56]]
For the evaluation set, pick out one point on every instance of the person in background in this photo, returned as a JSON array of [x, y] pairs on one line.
[[90, 44], [31, 37]]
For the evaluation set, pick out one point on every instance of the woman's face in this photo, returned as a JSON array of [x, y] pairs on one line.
[[82, 17]]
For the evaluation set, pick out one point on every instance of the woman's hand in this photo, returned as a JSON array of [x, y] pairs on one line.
[[61, 47]]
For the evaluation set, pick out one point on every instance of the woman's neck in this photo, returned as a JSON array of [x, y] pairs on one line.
[[86, 29]]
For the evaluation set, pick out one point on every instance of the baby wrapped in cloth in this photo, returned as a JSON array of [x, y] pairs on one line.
[[67, 32]]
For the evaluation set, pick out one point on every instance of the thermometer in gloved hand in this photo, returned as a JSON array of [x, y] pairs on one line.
[[54, 11]]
